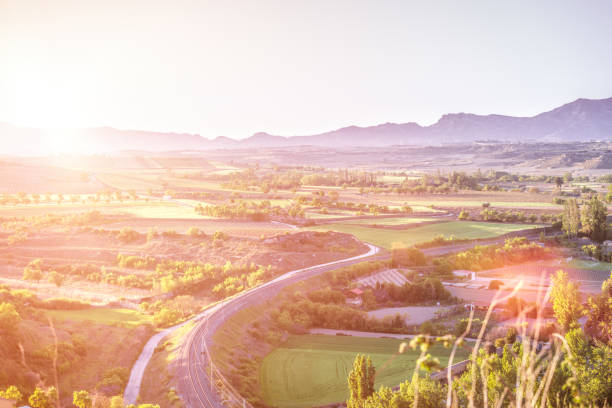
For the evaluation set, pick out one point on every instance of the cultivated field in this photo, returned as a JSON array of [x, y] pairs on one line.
[[459, 229], [311, 370]]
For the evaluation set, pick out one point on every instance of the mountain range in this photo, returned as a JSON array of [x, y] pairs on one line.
[[580, 120]]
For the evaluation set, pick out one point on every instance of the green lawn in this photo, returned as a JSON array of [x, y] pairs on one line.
[[124, 317], [311, 370], [459, 229]]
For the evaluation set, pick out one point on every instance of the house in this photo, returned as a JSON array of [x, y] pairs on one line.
[[354, 297], [356, 292], [461, 273]]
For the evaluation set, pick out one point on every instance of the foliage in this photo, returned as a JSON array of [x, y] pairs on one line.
[[82, 399], [514, 251], [360, 381], [401, 256], [11, 393], [571, 217], [593, 216], [565, 297], [599, 312], [9, 318], [41, 398]]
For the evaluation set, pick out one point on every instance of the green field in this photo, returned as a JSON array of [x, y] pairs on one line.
[[391, 221], [475, 203], [123, 317], [590, 265], [312, 370], [459, 229]]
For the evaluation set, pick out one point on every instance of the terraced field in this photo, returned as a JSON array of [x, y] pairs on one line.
[[312, 370], [385, 237]]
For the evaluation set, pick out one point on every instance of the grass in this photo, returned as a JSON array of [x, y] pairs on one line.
[[475, 203], [158, 379], [229, 336], [124, 317], [312, 370], [459, 229], [590, 265], [392, 221]]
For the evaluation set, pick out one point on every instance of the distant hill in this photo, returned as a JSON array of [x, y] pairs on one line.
[[581, 120]]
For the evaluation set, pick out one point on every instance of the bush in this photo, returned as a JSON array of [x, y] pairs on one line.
[[495, 284], [127, 235], [407, 257]]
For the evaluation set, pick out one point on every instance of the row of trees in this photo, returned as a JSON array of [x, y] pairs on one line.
[[49, 398], [514, 251], [589, 219]]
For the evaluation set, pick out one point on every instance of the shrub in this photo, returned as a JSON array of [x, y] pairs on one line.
[[407, 257], [495, 284], [193, 232], [128, 235]]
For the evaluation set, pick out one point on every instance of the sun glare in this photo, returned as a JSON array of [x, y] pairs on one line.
[[62, 141]]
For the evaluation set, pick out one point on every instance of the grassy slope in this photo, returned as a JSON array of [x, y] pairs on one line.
[[312, 370], [459, 229]]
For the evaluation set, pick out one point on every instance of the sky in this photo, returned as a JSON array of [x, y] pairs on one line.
[[287, 67]]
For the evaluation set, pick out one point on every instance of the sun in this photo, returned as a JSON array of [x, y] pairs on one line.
[[62, 141]]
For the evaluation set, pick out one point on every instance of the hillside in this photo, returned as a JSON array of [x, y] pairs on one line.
[[581, 120]]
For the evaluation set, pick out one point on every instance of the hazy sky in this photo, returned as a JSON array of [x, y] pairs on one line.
[[294, 67]]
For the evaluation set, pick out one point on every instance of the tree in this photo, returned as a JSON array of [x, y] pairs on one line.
[[599, 312], [11, 393], [81, 399], [43, 399], [9, 317], [565, 297], [56, 278], [609, 194], [193, 232], [116, 402], [571, 217], [33, 270], [402, 256], [593, 217], [559, 181], [360, 381], [591, 366]]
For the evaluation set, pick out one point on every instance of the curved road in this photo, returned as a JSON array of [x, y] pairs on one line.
[[194, 365], [193, 382]]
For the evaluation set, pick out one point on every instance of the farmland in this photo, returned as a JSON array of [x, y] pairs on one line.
[[123, 317], [411, 236], [311, 370]]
